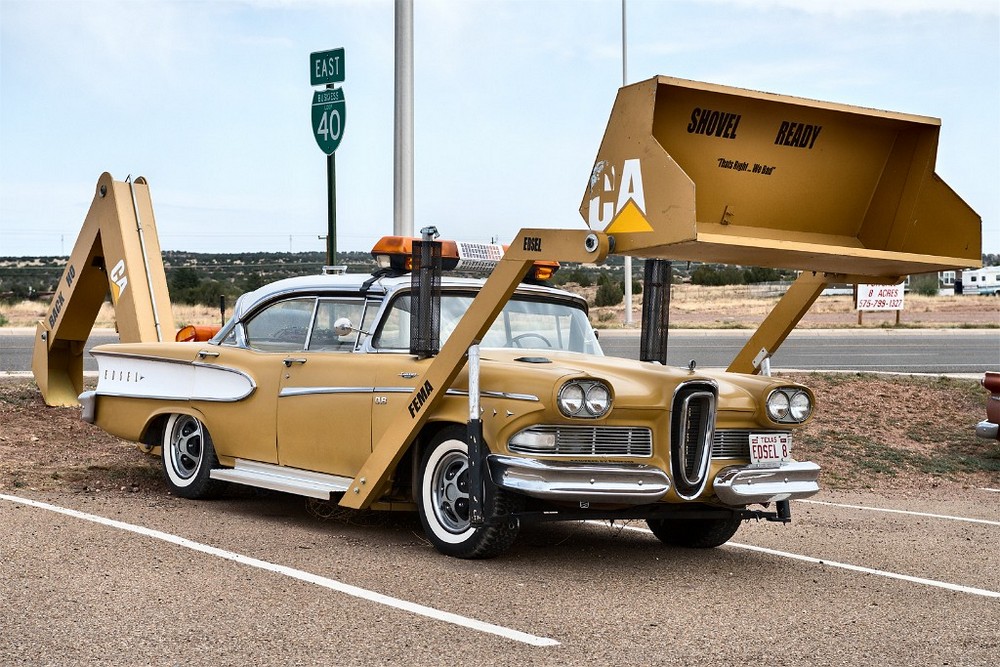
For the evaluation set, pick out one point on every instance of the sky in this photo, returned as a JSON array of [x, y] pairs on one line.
[[210, 102]]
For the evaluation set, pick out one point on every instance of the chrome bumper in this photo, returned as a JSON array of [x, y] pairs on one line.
[[987, 429], [748, 486], [88, 406], [622, 483]]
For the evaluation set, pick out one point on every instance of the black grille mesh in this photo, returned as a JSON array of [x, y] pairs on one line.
[[655, 311], [425, 299]]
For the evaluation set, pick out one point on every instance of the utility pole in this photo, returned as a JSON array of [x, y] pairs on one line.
[[403, 122], [628, 258]]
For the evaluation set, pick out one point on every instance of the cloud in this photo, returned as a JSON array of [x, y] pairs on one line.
[[843, 8]]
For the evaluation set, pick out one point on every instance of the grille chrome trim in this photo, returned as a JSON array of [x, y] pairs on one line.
[[692, 427], [573, 440]]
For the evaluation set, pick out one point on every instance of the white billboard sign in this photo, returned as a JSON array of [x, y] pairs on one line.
[[880, 297]]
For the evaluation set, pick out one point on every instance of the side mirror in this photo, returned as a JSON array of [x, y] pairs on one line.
[[343, 327]]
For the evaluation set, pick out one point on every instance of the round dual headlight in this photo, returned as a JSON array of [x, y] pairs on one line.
[[584, 398], [789, 405]]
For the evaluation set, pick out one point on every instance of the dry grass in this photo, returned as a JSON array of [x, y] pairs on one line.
[[697, 306], [27, 313], [691, 306]]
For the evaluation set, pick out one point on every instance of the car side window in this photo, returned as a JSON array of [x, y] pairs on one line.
[[281, 327], [324, 337]]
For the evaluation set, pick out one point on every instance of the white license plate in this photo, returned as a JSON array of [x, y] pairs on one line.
[[770, 448]]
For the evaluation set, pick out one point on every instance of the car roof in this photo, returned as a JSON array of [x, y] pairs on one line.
[[384, 285]]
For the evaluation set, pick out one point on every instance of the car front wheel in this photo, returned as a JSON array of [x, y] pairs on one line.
[[695, 533], [188, 458], [444, 502]]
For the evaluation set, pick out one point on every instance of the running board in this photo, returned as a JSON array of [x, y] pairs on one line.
[[281, 478]]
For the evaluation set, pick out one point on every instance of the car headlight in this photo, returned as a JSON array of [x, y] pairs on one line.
[[584, 398], [789, 405]]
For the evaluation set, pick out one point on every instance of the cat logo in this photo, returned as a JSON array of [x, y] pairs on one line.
[[618, 203], [118, 281]]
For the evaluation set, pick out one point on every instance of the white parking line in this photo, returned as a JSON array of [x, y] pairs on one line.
[[986, 488], [307, 577], [844, 566], [891, 511]]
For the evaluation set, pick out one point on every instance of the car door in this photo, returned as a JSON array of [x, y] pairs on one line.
[[257, 347], [326, 393]]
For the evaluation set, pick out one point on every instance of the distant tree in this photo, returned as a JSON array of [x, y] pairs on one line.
[[184, 278], [717, 275], [756, 274]]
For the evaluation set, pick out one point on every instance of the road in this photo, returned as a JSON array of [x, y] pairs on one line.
[[970, 351], [150, 579]]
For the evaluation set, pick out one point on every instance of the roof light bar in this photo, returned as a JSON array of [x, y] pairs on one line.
[[396, 252]]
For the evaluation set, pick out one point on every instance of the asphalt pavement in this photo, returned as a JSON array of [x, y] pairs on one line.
[[935, 351]]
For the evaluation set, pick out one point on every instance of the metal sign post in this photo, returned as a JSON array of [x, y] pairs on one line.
[[329, 115]]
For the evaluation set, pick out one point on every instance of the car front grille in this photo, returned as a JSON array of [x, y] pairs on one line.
[[613, 441], [691, 436], [735, 443]]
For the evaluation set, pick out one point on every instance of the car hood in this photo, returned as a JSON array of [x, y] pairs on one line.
[[635, 384]]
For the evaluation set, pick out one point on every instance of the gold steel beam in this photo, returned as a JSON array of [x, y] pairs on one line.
[[529, 246], [117, 249]]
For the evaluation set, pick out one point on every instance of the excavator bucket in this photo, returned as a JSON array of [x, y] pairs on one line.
[[694, 171]]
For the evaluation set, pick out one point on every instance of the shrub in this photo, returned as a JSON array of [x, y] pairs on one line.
[[925, 284], [609, 294]]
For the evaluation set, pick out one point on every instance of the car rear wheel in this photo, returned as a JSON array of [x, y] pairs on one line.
[[188, 458], [694, 533], [444, 502]]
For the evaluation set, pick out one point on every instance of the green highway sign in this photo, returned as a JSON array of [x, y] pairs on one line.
[[326, 67], [329, 112]]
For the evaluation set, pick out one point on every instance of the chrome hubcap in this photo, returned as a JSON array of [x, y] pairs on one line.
[[451, 492], [186, 446]]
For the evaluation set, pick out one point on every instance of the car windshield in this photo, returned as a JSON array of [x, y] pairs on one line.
[[523, 323]]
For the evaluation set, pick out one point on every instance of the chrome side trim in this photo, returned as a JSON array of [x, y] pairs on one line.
[[985, 429], [621, 483], [283, 478], [747, 486], [305, 391], [88, 406], [496, 394], [309, 391]]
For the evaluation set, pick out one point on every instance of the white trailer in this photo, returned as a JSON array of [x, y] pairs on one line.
[[981, 281]]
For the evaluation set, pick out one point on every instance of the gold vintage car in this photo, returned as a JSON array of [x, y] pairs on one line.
[[294, 390]]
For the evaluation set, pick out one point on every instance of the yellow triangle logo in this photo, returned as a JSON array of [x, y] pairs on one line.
[[629, 220]]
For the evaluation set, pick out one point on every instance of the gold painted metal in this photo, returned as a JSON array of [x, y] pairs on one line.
[[528, 246], [744, 177], [108, 255], [780, 322]]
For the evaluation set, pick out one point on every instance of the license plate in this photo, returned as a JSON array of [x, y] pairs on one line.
[[772, 448]]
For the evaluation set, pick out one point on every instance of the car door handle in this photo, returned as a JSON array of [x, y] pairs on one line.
[[207, 353], [288, 362]]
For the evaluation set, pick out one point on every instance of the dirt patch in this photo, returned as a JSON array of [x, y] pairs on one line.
[[900, 432], [745, 306], [909, 434], [52, 448]]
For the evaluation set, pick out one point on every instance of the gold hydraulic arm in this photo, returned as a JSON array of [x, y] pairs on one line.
[[529, 245], [117, 250]]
